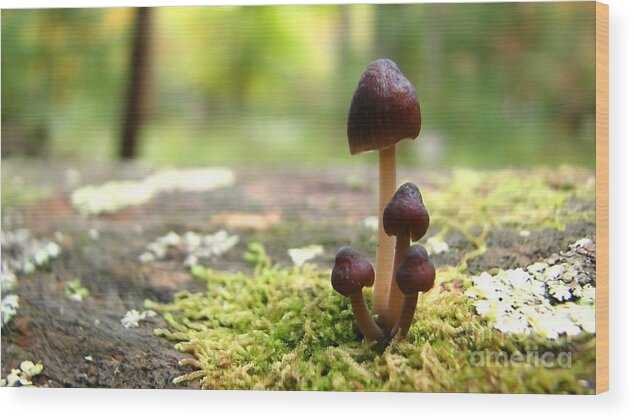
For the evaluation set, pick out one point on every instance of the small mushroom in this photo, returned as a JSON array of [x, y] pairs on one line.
[[415, 274], [384, 110], [349, 276], [405, 217]]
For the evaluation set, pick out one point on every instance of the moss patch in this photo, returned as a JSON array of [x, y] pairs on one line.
[[532, 199], [16, 192], [283, 328]]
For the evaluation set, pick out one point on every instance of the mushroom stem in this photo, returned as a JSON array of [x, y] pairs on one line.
[[407, 315], [366, 324], [385, 244], [395, 301]]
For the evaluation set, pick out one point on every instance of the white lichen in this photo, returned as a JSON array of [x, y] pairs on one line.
[[559, 291], [371, 223], [75, 291], [23, 254], [132, 318], [548, 298], [22, 376], [435, 246], [8, 280], [191, 245], [585, 243], [300, 256], [8, 308], [93, 234], [115, 195]]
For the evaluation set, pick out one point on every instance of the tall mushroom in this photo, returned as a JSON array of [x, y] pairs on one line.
[[415, 274], [384, 110], [406, 218], [349, 276]]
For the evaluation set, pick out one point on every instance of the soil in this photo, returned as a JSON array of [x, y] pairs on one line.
[[83, 344]]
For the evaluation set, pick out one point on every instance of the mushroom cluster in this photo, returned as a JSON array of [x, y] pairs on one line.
[[385, 110]]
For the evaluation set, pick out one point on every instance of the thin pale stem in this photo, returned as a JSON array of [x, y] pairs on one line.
[[369, 328], [385, 243], [395, 301], [406, 316]]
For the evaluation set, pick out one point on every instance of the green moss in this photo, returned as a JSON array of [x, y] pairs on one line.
[[286, 329], [16, 192], [536, 199]]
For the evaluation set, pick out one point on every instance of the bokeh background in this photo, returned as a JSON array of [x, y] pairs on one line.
[[501, 85]]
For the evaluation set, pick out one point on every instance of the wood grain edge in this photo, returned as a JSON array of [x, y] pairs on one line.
[[602, 197]]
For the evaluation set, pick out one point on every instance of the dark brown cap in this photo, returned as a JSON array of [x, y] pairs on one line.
[[351, 273], [406, 214], [416, 273], [384, 109]]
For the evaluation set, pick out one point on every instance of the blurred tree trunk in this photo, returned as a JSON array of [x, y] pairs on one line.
[[139, 85]]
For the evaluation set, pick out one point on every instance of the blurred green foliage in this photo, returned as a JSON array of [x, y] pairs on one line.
[[502, 84]]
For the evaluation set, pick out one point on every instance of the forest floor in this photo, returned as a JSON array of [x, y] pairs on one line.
[[82, 260]]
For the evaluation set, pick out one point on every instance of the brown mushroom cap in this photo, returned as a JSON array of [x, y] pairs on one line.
[[416, 273], [351, 272], [406, 214], [384, 109]]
